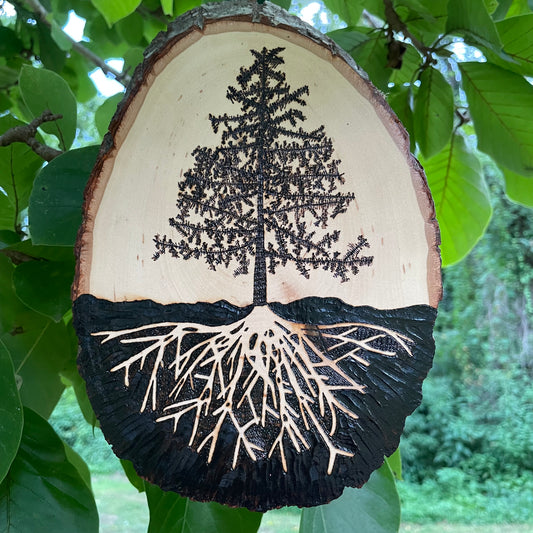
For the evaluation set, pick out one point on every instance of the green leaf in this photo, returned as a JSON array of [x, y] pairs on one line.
[[373, 508], [76, 73], [461, 198], [116, 10], [57, 196], [42, 490], [376, 7], [18, 166], [132, 58], [132, 476], [60, 37], [518, 188], [400, 101], [44, 286], [371, 56], [10, 44], [349, 38], [471, 18], [168, 7], [11, 417], [75, 460], [348, 10], [170, 513], [43, 89], [433, 114], [8, 238], [517, 37], [105, 112], [51, 56], [39, 348], [285, 4], [411, 62], [39, 353], [8, 76], [131, 28], [428, 24], [519, 7], [500, 103], [71, 377], [395, 464]]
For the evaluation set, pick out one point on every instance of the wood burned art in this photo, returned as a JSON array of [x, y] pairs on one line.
[[258, 268]]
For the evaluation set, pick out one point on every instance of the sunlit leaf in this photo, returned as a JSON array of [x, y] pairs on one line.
[[461, 198], [471, 18], [167, 6], [348, 10], [44, 286], [433, 113], [395, 464], [43, 491], [518, 188], [500, 103], [115, 10], [57, 197], [44, 90], [517, 37], [519, 7], [11, 418], [428, 23], [170, 513], [374, 508]]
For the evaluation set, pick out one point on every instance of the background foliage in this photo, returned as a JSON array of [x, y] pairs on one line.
[[457, 73]]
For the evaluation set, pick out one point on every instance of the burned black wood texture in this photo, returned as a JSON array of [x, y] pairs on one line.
[[372, 366]]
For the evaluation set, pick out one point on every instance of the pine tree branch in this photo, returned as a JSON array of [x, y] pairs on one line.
[[43, 16], [26, 134]]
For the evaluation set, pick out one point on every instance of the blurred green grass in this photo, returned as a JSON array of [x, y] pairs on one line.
[[122, 509]]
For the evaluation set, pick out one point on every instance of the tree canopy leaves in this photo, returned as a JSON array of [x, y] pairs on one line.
[[457, 73]]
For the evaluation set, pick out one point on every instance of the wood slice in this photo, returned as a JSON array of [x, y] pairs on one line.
[[258, 267]]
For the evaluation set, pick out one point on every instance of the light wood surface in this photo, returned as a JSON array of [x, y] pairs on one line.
[[134, 188]]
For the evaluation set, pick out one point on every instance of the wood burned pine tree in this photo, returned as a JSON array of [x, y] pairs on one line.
[[265, 194]]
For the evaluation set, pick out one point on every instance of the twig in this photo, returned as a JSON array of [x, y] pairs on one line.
[[26, 134], [397, 25], [18, 258], [43, 16]]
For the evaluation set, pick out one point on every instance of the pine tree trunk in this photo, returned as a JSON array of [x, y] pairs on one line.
[[260, 280]]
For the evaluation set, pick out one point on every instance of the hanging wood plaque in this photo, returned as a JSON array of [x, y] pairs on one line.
[[258, 268]]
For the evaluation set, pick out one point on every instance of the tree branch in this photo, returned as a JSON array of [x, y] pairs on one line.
[[42, 15], [397, 25], [26, 134]]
